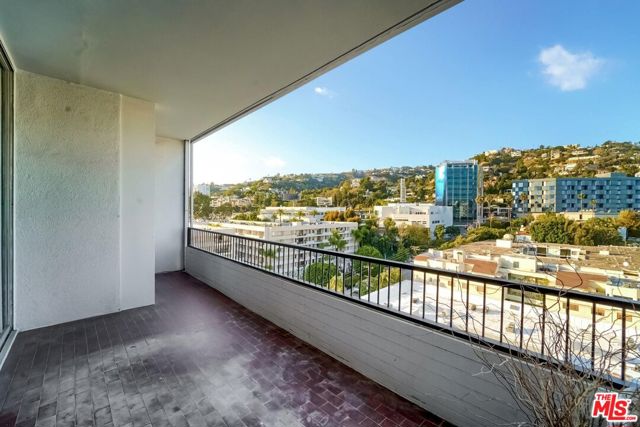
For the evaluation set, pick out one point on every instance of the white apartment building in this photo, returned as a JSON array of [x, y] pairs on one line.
[[291, 213], [425, 214], [312, 235]]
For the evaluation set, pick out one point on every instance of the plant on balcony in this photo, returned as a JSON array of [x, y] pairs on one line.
[[553, 381]]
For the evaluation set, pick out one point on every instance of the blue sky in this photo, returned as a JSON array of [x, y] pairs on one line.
[[482, 75]]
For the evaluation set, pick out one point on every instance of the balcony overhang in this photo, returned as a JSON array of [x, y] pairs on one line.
[[203, 63]]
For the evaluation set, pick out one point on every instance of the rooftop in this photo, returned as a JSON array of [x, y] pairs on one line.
[[485, 268], [611, 258]]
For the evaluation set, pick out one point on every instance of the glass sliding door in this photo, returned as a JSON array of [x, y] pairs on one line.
[[6, 197]]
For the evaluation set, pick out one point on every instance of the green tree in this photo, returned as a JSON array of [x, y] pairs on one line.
[[631, 220], [524, 198], [582, 197], [552, 228], [387, 243], [366, 234], [402, 254], [320, 272], [337, 241], [597, 231], [387, 276], [202, 206], [367, 268], [268, 256], [439, 232], [414, 235], [336, 284], [451, 231]]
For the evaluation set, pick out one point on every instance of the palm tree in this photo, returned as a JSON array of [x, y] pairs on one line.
[[508, 199], [280, 212], [524, 198], [337, 241], [593, 203], [480, 202], [581, 197], [490, 199]]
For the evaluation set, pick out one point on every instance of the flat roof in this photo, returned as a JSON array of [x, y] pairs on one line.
[[614, 260]]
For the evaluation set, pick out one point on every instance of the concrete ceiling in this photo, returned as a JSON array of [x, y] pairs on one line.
[[203, 62]]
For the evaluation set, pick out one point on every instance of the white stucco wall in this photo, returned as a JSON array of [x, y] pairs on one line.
[[169, 204], [75, 204], [137, 256]]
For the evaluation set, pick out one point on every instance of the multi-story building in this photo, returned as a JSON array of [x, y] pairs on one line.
[[300, 213], [424, 214], [458, 184], [608, 192], [313, 235], [203, 189]]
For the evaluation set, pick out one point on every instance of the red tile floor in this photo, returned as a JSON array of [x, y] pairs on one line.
[[194, 359]]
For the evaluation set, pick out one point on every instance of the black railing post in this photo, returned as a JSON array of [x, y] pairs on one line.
[[624, 344], [291, 261], [437, 295]]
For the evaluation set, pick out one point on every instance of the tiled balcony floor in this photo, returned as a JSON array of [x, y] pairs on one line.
[[194, 359]]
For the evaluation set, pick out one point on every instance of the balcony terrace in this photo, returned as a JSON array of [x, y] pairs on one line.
[[100, 105], [195, 358]]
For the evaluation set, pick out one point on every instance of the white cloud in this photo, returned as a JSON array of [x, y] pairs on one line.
[[568, 71], [274, 162], [323, 91]]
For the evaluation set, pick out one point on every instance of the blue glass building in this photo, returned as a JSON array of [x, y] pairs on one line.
[[458, 184], [607, 193]]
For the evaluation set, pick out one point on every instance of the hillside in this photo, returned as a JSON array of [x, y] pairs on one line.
[[363, 189], [500, 167]]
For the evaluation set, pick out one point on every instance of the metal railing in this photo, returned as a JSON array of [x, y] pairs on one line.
[[592, 332]]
